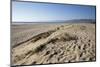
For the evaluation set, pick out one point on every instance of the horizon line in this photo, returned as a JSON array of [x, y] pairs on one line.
[[51, 21]]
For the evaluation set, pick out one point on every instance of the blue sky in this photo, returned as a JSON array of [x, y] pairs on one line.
[[39, 12]]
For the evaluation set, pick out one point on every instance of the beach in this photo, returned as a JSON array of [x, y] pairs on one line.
[[52, 43]]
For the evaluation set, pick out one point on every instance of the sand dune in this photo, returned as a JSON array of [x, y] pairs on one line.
[[44, 44]]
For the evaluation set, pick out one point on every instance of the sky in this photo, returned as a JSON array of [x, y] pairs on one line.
[[40, 12]]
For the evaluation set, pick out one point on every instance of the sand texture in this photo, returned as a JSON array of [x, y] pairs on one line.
[[52, 43]]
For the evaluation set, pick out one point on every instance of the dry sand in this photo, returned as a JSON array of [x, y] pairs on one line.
[[52, 43]]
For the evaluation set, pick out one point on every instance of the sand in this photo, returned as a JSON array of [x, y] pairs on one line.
[[52, 43]]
